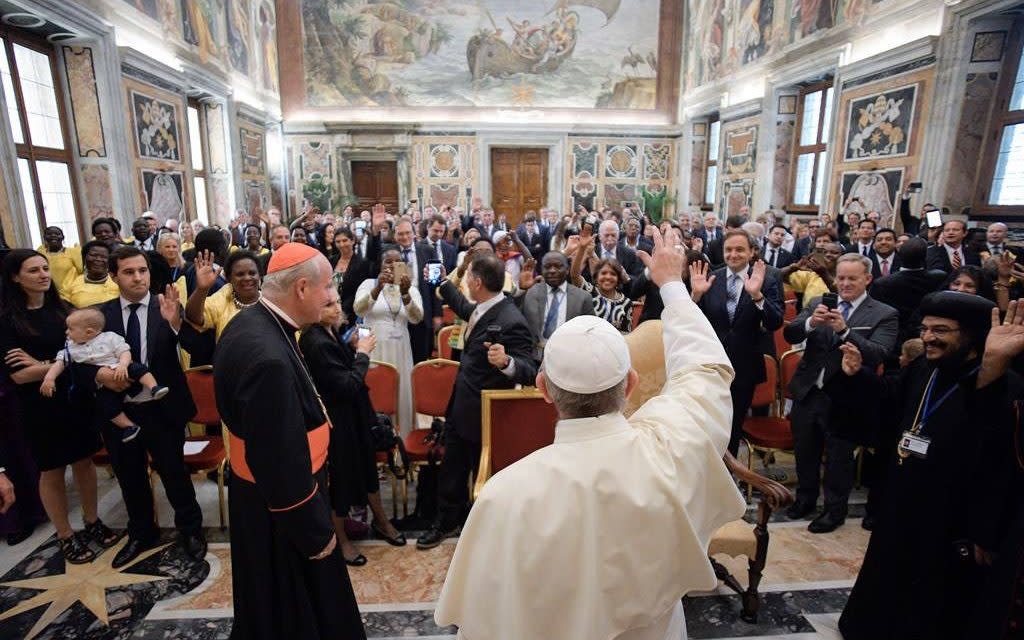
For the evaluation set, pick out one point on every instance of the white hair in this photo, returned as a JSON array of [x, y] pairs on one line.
[[280, 282], [608, 224], [753, 229]]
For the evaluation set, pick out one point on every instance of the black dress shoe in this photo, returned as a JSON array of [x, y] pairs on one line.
[[357, 561], [433, 537], [132, 550], [826, 522], [17, 537], [397, 541], [800, 509], [869, 522], [195, 546]]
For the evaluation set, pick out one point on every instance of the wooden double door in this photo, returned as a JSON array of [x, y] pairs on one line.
[[375, 181], [519, 181]]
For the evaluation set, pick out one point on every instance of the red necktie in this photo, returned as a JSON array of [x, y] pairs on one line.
[[885, 267], [957, 262]]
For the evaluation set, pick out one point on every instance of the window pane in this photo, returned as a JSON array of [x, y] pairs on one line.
[[713, 140], [200, 188], [828, 117], [1017, 100], [819, 184], [9, 97], [1008, 181], [194, 138], [804, 171], [709, 185], [809, 121], [58, 201], [28, 196], [40, 97]]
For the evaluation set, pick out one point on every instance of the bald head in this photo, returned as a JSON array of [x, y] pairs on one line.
[[996, 233]]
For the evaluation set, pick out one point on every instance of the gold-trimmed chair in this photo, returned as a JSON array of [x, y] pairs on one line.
[[513, 424], [433, 382], [383, 381]]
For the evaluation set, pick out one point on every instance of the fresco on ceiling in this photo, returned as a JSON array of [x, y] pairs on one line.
[[723, 35], [481, 53]]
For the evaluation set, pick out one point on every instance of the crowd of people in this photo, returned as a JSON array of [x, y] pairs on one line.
[[909, 338]]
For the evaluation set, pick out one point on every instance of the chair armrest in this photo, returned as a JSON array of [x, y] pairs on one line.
[[775, 495]]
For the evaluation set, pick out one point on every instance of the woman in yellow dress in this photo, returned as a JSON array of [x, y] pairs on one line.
[[94, 286], [207, 312], [188, 236], [65, 263]]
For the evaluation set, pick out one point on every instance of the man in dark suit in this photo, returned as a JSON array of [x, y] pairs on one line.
[[632, 238], [884, 261], [774, 254], [743, 304], [863, 240], [531, 234], [439, 248], [554, 303], [873, 328], [487, 225], [904, 289], [150, 325], [610, 248], [709, 232], [279, 236], [805, 245], [421, 335], [952, 253], [498, 354], [714, 249]]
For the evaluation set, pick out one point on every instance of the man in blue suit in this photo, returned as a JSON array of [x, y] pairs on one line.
[[743, 304]]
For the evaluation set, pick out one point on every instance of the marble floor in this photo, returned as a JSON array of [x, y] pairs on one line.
[[165, 596]]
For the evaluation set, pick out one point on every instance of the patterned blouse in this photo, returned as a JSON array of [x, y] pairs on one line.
[[617, 311]]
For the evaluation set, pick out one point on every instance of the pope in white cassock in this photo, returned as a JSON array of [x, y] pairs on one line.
[[599, 535]]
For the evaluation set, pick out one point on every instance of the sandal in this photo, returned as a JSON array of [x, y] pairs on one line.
[[102, 534], [397, 541], [75, 551]]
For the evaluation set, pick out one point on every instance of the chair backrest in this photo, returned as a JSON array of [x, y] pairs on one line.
[[382, 379], [200, 385], [432, 384], [447, 315], [514, 424], [788, 364], [638, 309], [781, 346], [444, 347], [789, 310], [765, 393]]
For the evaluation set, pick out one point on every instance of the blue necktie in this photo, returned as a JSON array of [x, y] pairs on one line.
[[133, 332], [844, 308], [551, 321], [733, 297]]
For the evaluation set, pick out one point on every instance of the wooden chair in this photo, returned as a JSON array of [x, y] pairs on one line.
[[514, 423], [772, 433], [383, 380], [433, 382], [740, 538], [444, 347]]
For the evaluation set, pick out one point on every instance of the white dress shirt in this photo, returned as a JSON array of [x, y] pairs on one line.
[[864, 249], [853, 308], [413, 263], [743, 275], [563, 295], [951, 250], [886, 260], [143, 314], [478, 313]]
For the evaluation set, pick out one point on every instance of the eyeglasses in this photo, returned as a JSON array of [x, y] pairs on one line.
[[938, 332]]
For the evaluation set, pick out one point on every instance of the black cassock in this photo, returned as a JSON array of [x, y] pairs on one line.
[[916, 582], [279, 510]]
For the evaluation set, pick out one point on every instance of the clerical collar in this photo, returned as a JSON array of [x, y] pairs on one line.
[[583, 429], [276, 310]]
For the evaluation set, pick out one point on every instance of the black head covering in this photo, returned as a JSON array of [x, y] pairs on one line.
[[974, 313]]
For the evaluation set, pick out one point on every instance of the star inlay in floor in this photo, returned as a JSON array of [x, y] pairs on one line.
[[85, 583]]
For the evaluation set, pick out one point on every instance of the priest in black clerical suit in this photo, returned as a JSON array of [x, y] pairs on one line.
[[919, 577], [289, 578]]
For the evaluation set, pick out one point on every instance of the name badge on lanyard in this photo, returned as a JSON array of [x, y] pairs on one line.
[[915, 445]]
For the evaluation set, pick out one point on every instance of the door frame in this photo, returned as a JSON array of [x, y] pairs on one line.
[[399, 156], [554, 143]]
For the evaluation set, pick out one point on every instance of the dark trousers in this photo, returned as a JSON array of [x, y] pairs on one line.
[[109, 403], [461, 458], [812, 435], [742, 394], [164, 442], [420, 336]]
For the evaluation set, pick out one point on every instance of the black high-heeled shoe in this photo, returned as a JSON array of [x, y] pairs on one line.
[[357, 561], [397, 541]]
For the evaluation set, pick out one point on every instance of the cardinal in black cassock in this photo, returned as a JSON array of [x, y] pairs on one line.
[[920, 575], [287, 579]]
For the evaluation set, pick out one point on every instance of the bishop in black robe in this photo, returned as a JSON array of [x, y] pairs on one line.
[[279, 508]]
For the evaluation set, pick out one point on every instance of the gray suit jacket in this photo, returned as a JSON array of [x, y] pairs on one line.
[[577, 303]]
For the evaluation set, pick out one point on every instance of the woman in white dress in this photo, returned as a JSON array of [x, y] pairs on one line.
[[388, 308]]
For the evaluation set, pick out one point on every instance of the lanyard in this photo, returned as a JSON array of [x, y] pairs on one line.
[[926, 410]]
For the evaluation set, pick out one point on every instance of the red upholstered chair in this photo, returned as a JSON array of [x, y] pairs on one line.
[[382, 379], [781, 346], [444, 347], [215, 454], [433, 382], [447, 315], [789, 310], [514, 424], [772, 433], [638, 309]]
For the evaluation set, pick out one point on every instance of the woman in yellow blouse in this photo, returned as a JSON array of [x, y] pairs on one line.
[[95, 286], [207, 312], [253, 242], [188, 236], [65, 263]]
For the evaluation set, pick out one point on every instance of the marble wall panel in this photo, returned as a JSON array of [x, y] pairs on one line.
[[783, 161], [99, 197], [697, 159], [974, 118], [85, 105]]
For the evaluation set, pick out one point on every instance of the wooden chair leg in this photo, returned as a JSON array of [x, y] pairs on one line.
[[751, 597], [723, 574]]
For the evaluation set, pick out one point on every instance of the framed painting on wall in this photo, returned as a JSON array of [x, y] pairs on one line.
[[741, 150], [155, 123], [880, 125], [736, 195], [163, 193], [252, 151], [787, 105], [865, 191], [988, 46]]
